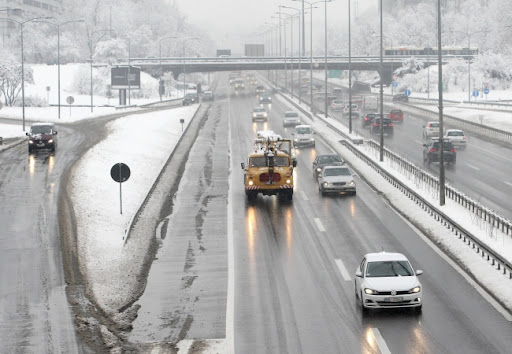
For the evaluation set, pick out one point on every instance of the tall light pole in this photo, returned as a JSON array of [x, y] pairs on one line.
[[290, 17], [325, 64], [381, 89], [160, 52], [184, 65], [469, 34], [92, 53], [58, 25], [440, 88], [349, 70], [299, 51], [21, 23]]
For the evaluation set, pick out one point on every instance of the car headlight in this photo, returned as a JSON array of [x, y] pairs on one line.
[[50, 141], [254, 115], [31, 141], [415, 290], [295, 139], [312, 139], [371, 291], [318, 169], [352, 183], [326, 184]]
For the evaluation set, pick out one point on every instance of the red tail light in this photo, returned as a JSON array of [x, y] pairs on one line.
[[390, 124], [452, 150], [432, 150], [375, 125]]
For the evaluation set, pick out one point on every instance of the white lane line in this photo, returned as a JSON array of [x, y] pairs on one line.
[[380, 341], [473, 167], [491, 153], [230, 301], [508, 183], [343, 270], [319, 225], [303, 195]]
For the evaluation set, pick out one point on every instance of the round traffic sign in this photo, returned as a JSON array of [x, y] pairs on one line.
[[120, 172], [486, 90], [407, 92], [70, 100], [395, 84], [476, 93]]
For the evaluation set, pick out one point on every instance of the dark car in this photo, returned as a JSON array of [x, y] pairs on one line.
[[265, 98], [325, 160], [190, 98], [387, 125], [396, 115], [400, 97], [260, 89], [42, 136], [432, 148], [368, 119]]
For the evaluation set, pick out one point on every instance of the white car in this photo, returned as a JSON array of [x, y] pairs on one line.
[[303, 136], [336, 179], [387, 280], [291, 118], [259, 113], [346, 109], [457, 137], [431, 130]]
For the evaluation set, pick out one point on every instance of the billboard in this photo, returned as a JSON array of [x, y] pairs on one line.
[[119, 77]]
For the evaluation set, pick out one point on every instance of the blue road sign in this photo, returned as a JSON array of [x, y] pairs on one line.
[[476, 93], [407, 92], [395, 84], [486, 90]]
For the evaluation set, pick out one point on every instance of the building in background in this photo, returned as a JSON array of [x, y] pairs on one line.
[[27, 9]]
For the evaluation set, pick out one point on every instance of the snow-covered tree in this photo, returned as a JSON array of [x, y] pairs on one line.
[[10, 77]]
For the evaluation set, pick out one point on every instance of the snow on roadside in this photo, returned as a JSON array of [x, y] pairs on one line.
[[143, 142]]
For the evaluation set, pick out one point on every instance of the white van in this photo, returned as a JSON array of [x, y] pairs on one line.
[[303, 136], [370, 103]]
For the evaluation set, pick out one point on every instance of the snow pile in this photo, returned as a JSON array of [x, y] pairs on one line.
[[144, 143]]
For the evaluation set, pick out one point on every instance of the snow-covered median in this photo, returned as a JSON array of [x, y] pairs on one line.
[[144, 143]]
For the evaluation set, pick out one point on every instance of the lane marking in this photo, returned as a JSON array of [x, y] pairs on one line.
[[319, 225], [473, 167], [490, 153], [497, 306], [230, 301], [303, 195], [510, 184], [343, 270], [381, 343]]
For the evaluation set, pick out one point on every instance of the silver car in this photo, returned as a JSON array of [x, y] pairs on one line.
[[291, 118], [336, 179], [457, 137]]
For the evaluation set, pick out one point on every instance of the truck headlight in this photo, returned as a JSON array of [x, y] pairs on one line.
[[251, 183]]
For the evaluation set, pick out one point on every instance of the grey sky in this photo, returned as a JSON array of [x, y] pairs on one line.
[[231, 23]]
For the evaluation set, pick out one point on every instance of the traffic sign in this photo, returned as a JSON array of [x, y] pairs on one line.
[[407, 92], [486, 90], [335, 74], [476, 93], [395, 84], [70, 100], [120, 172]]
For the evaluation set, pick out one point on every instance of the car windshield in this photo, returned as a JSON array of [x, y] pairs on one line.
[[341, 171], [388, 269], [396, 112], [190, 95], [455, 134], [446, 145], [328, 159], [303, 130], [433, 125], [291, 114], [258, 109], [41, 129]]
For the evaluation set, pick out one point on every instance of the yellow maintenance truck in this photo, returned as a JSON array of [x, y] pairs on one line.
[[269, 168]]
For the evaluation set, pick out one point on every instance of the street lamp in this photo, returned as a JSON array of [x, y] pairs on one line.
[[92, 52], [299, 51], [469, 34], [291, 48], [184, 66], [58, 25], [160, 51], [21, 23], [311, 48], [325, 65]]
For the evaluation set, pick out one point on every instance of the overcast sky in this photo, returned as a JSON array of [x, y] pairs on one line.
[[230, 23]]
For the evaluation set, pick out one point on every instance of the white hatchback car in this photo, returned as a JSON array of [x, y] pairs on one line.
[[303, 136], [457, 137], [387, 280], [291, 118], [431, 130]]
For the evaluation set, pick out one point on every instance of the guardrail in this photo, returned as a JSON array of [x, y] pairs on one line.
[[486, 214]]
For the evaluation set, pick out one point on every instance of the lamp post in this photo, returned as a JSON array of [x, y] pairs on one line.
[[21, 23], [184, 66], [440, 87], [381, 156], [160, 52], [299, 51], [291, 48], [325, 64], [92, 52], [58, 25], [469, 34], [349, 71]]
